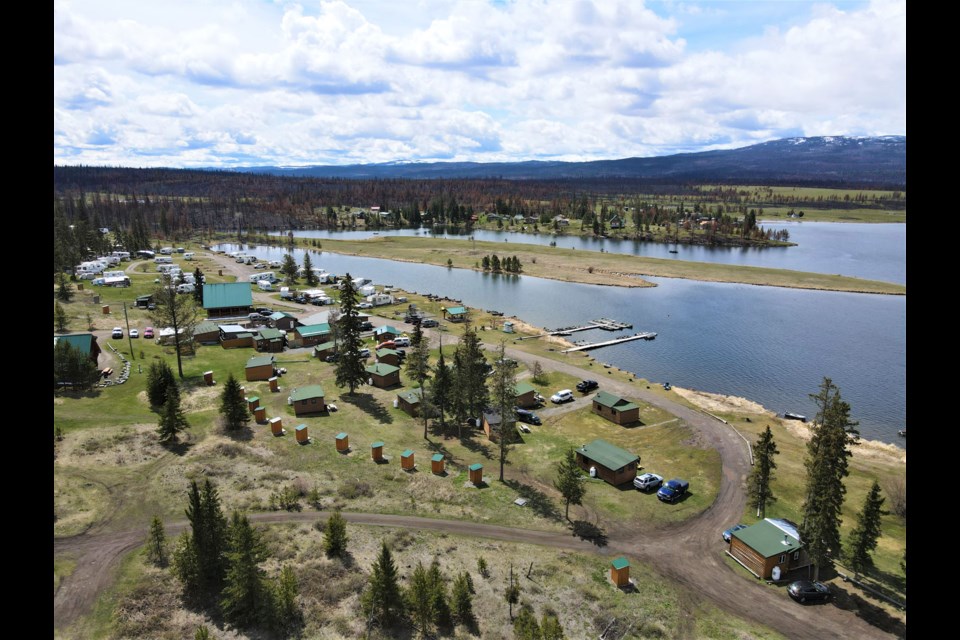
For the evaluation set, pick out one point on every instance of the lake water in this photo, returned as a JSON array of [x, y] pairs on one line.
[[768, 344], [861, 250]]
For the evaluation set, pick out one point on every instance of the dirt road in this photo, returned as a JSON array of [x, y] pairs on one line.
[[691, 553]]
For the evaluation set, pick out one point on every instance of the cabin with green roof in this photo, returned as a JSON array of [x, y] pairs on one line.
[[268, 340], [310, 335], [772, 542], [284, 321], [455, 314], [615, 465], [308, 399], [85, 342], [388, 356], [325, 349], [206, 333], [409, 401], [259, 368], [383, 375], [224, 299], [386, 332], [526, 395], [615, 409]]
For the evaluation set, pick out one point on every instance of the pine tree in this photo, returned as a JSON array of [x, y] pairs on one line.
[[350, 368], [482, 568], [157, 543], [516, 265], [289, 269], [73, 367], [863, 538], [418, 368], [335, 535], [550, 628], [179, 313], [286, 613], [525, 627], [758, 482], [60, 319], [569, 481], [504, 394], [419, 599], [495, 263], [198, 560], [382, 602], [826, 463], [233, 406], [538, 374], [439, 602], [245, 587], [469, 377], [486, 263], [172, 421], [311, 277], [462, 599], [512, 593], [442, 386], [198, 279], [64, 288]]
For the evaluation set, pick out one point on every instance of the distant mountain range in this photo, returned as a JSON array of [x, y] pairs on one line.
[[824, 160]]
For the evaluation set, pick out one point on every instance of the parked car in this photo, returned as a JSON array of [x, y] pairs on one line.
[[148, 333], [260, 265], [673, 490], [254, 316], [564, 395], [117, 333], [508, 362], [365, 305], [728, 534], [333, 357], [366, 326], [364, 353], [134, 333], [429, 322], [647, 481], [587, 385], [402, 341], [264, 311], [809, 591], [529, 417], [300, 299]]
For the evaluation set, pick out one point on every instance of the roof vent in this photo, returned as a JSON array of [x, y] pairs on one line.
[[785, 543]]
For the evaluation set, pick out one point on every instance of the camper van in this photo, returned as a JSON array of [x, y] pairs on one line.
[[249, 259], [186, 288], [114, 274], [263, 275], [287, 293], [188, 255], [265, 285], [163, 260], [145, 253], [123, 255], [167, 251], [165, 267]]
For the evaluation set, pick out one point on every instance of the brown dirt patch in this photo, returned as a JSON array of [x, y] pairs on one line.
[[716, 403]]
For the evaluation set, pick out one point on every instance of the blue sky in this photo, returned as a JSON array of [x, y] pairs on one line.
[[221, 83]]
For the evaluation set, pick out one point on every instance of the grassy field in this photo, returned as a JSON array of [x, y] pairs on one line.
[[596, 268]]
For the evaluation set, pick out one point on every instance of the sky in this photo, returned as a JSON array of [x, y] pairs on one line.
[[231, 83]]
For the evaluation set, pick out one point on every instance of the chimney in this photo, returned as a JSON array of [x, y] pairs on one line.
[[785, 543]]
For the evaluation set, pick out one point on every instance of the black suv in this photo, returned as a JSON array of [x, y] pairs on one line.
[[366, 326], [426, 324], [587, 385], [527, 416]]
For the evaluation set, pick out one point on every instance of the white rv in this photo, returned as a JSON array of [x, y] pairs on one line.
[[188, 255], [167, 251], [163, 260], [186, 288], [265, 285], [263, 275], [380, 299]]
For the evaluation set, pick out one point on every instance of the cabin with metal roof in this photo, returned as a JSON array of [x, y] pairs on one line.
[[526, 395], [268, 340], [224, 299], [308, 399], [615, 465], [259, 368], [770, 543], [615, 409], [383, 375], [85, 342], [409, 401], [309, 335], [455, 314]]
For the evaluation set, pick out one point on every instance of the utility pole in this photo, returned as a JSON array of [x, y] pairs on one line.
[[129, 339]]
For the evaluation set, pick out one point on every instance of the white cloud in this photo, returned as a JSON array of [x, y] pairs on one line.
[[364, 81]]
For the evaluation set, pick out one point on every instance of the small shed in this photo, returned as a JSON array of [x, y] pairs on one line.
[[276, 426], [526, 395], [260, 415], [308, 399], [208, 378], [455, 314], [386, 332], [615, 409], [476, 474], [409, 401], [343, 442], [274, 384], [383, 375], [615, 465], [508, 327], [376, 451], [253, 402], [406, 460], [772, 542], [303, 436], [620, 572], [325, 349], [268, 340], [259, 368], [388, 356], [206, 333], [493, 428], [437, 464]]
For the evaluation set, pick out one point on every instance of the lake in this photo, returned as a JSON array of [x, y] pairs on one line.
[[771, 345]]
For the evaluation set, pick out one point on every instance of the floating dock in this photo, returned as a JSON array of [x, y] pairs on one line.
[[605, 324], [645, 335]]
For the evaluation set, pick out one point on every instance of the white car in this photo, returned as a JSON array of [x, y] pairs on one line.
[[564, 395], [365, 305], [647, 481], [117, 333], [134, 333], [402, 341]]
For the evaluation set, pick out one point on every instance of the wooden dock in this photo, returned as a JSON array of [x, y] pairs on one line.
[[601, 323], [644, 335]]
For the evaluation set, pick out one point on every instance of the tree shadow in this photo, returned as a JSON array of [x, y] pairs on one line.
[[179, 448], [243, 434], [589, 531], [370, 405], [537, 500], [475, 446], [872, 613]]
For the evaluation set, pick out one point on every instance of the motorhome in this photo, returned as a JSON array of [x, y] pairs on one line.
[[114, 274], [265, 285], [167, 251], [379, 299], [91, 266], [163, 260], [287, 293], [165, 267], [123, 255], [249, 259], [367, 290], [145, 253], [188, 255], [263, 275], [186, 288]]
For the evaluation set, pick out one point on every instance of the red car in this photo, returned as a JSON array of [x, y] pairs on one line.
[[148, 333]]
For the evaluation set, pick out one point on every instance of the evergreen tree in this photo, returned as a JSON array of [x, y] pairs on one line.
[[569, 481], [462, 604], [335, 535], [525, 627], [311, 277], [64, 288], [233, 406], [289, 269], [382, 602], [504, 394], [512, 593], [245, 587], [198, 279], [198, 560], [179, 313], [863, 539], [485, 263], [442, 386], [495, 263], [482, 568], [159, 380], [826, 463], [60, 318], [157, 543], [516, 265], [172, 421], [758, 482], [419, 601], [538, 374], [73, 367], [550, 628], [351, 371], [439, 602], [418, 368], [286, 613], [469, 377]]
